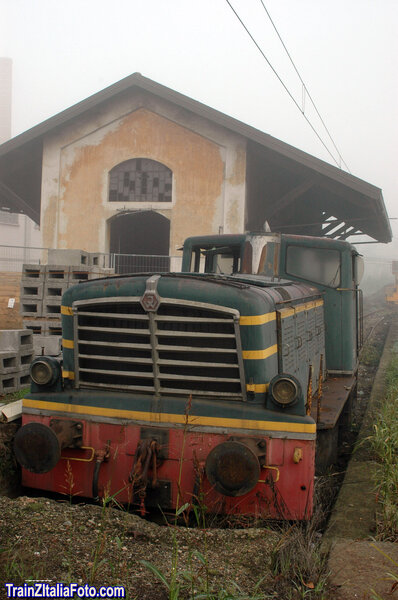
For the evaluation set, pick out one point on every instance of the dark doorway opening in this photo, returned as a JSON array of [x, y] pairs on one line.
[[140, 242]]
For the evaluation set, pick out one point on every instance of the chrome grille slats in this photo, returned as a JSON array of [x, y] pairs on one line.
[[139, 360], [186, 320], [115, 344], [183, 348], [113, 315], [133, 374], [187, 362], [196, 349], [196, 333], [115, 330]]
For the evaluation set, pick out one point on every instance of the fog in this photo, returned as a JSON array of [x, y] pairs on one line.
[[346, 53]]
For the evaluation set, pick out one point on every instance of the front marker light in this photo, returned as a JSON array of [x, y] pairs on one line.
[[44, 371]]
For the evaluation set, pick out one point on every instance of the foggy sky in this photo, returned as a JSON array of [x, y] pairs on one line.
[[346, 52]]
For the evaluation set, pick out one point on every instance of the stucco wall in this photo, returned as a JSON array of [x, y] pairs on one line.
[[208, 165]]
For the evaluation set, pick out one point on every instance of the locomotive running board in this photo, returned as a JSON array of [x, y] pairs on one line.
[[336, 393]]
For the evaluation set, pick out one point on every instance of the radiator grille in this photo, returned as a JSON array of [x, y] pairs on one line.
[[180, 349]]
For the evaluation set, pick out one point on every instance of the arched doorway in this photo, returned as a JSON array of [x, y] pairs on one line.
[[140, 242]]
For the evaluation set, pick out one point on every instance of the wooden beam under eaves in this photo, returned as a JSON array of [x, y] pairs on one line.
[[331, 225], [340, 231], [350, 231], [291, 196], [16, 204]]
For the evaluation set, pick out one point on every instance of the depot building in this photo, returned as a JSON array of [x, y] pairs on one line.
[[138, 167]]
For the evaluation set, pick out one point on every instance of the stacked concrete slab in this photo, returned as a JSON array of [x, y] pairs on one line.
[[42, 287], [16, 354]]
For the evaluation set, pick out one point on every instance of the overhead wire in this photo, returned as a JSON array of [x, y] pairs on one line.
[[283, 84], [305, 88]]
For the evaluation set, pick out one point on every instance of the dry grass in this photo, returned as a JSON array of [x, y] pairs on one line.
[[384, 442]]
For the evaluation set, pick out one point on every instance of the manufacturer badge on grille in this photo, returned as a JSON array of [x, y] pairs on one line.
[[151, 300]]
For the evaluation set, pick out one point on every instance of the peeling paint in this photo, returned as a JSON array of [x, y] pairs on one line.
[[49, 222], [238, 174], [208, 179]]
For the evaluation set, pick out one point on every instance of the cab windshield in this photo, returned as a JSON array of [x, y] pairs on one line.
[[217, 259]]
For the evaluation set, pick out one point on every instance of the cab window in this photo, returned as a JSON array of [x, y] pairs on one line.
[[318, 265], [224, 260]]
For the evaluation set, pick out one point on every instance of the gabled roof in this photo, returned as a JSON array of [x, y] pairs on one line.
[[21, 163]]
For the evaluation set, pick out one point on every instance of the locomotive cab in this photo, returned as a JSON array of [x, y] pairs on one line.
[[333, 266]]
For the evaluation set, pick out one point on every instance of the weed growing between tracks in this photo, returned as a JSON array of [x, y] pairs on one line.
[[297, 561], [296, 568]]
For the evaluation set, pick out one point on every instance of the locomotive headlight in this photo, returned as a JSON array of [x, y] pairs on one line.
[[285, 389], [44, 371]]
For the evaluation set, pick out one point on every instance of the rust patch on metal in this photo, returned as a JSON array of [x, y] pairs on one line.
[[69, 433], [233, 467], [335, 394]]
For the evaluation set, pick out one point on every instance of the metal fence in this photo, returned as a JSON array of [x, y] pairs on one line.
[[144, 263], [12, 258], [378, 271]]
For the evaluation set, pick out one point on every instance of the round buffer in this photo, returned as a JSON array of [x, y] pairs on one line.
[[37, 448], [232, 468]]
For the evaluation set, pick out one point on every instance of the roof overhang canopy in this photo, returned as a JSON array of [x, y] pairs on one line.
[[314, 198], [300, 193]]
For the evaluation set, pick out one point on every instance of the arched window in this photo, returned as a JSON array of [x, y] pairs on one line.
[[140, 180]]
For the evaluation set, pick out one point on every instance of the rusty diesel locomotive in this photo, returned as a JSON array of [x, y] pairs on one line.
[[226, 383]]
